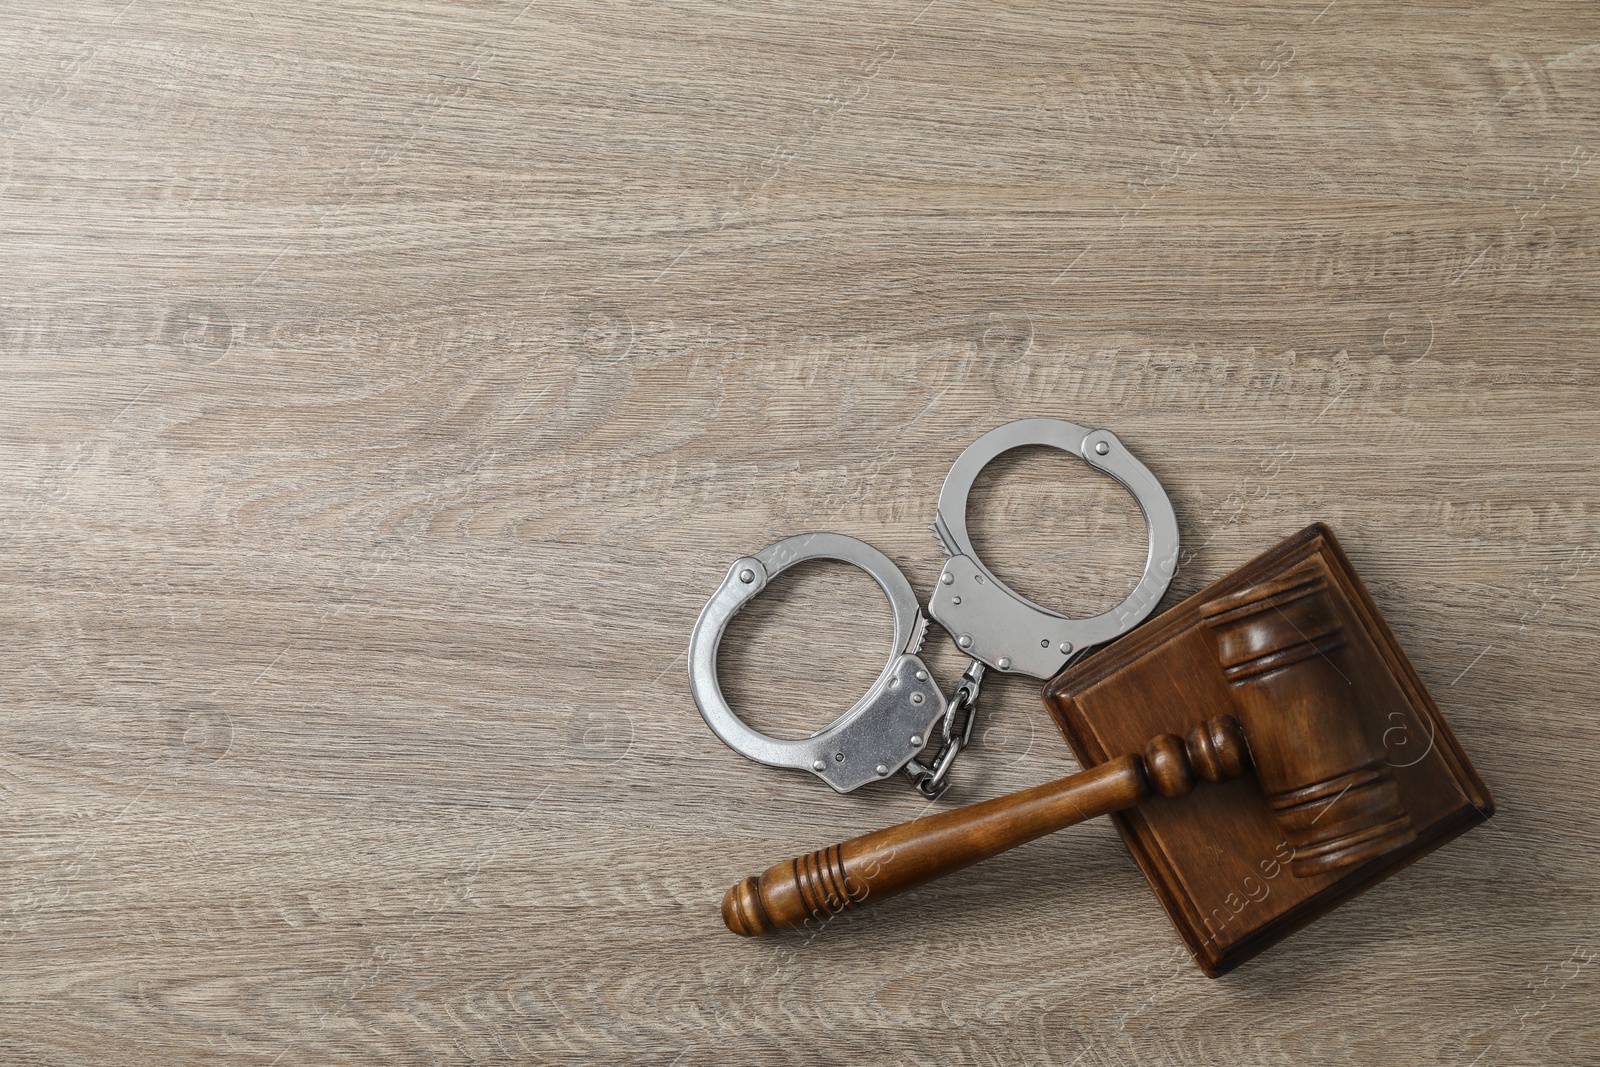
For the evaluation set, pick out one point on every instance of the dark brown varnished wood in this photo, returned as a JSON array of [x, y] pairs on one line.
[[1293, 645], [1243, 865], [1319, 757], [813, 888]]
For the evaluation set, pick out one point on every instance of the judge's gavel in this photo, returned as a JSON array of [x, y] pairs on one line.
[[1300, 723]]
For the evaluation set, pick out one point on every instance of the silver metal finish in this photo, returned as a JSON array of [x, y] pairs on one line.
[[892, 724], [997, 626], [869, 740], [931, 778]]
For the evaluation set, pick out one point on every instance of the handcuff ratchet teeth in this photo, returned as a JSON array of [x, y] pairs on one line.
[[888, 728]]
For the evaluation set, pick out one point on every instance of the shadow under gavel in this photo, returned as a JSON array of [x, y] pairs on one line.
[[1300, 724]]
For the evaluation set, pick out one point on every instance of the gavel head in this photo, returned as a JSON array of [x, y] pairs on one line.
[[1317, 750]]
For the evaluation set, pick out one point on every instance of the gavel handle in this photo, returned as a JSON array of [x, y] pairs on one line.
[[872, 867], [812, 889]]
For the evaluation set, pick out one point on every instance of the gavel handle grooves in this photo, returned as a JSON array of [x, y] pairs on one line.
[[811, 889]]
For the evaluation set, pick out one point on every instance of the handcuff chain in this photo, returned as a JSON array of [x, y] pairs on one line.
[[961, 713]]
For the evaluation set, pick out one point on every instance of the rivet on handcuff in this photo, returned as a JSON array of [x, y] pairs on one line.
[[889, 728]]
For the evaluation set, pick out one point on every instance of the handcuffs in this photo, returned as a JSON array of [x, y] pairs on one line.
[[891, 726]]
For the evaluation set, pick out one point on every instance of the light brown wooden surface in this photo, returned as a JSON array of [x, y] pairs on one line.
[[386, 385]]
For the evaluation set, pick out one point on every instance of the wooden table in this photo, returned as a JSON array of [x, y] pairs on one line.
[[386, 385]]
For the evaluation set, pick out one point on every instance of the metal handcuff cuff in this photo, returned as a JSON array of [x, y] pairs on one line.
[[889, 728]]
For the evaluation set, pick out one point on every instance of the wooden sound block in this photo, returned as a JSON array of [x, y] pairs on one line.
[[1216, 858]]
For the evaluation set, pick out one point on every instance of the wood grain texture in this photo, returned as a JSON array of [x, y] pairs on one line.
[[386, 385], [806, 892], [1215, 860]]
